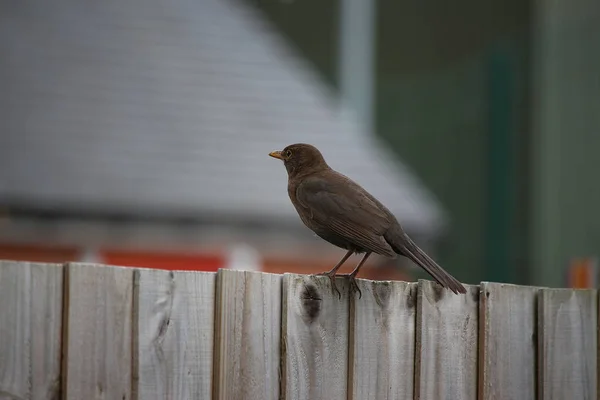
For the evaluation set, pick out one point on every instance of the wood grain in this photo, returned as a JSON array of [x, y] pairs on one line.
[[30, 330], [507, 341], [382, 341], [98, 319], [314, 338], [446, 343], [173, 334], [248, 345], [567, 325]]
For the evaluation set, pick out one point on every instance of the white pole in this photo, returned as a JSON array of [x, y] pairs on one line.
[[356, 62]]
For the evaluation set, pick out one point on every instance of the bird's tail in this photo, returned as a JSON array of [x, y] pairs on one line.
[[410, 249]]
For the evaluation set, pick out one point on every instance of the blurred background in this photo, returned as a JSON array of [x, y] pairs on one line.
[[137, 132]]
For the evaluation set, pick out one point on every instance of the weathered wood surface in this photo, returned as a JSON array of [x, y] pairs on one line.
[[567, 344], [247, 338], [314, 338], [507, 342], [136, 333], [446, 343], [98, 356], [30, 330], [173, 334], [382, 341]]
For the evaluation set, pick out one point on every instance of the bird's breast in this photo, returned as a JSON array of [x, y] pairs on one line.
[[304, 213]]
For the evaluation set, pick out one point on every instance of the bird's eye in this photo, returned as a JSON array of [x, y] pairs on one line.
[[288, 153]]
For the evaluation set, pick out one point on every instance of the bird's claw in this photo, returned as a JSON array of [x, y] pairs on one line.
[[331, 276], [353, 285], [351, 277]]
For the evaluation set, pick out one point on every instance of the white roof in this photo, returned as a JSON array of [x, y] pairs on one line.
[[139, 107]]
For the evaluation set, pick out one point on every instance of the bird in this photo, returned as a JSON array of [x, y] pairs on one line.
[[343, 213]]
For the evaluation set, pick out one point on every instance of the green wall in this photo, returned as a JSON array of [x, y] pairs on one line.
[[452, 95], [435, 121], [566, 145]]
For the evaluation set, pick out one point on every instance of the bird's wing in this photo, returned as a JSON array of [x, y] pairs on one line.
[[342, 207]]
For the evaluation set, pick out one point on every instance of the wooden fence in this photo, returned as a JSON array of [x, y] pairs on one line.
[[84, 331]]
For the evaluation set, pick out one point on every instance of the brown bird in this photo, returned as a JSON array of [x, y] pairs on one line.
[[344, 214]]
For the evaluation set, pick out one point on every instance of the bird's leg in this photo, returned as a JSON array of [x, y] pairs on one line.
[[331, 273], [352, 275]]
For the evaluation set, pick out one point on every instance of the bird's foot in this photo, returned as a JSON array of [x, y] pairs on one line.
[[331, 276], [353, 285]]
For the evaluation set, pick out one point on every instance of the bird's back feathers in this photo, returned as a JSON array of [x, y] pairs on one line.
[[327, 205]]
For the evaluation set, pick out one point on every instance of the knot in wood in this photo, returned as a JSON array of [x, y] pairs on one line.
[[311, 301]]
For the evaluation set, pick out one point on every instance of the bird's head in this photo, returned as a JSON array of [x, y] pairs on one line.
[[300, 158]]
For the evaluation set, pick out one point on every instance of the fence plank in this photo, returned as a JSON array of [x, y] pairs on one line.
[[247, 346], [173, 334], [30, 330], [507, 341], [98, 318], [567, 329], [164, 321], [446, 343], [314, 338], [382, 340]]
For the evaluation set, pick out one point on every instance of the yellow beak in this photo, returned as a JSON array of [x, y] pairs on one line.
[[276, 154]]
